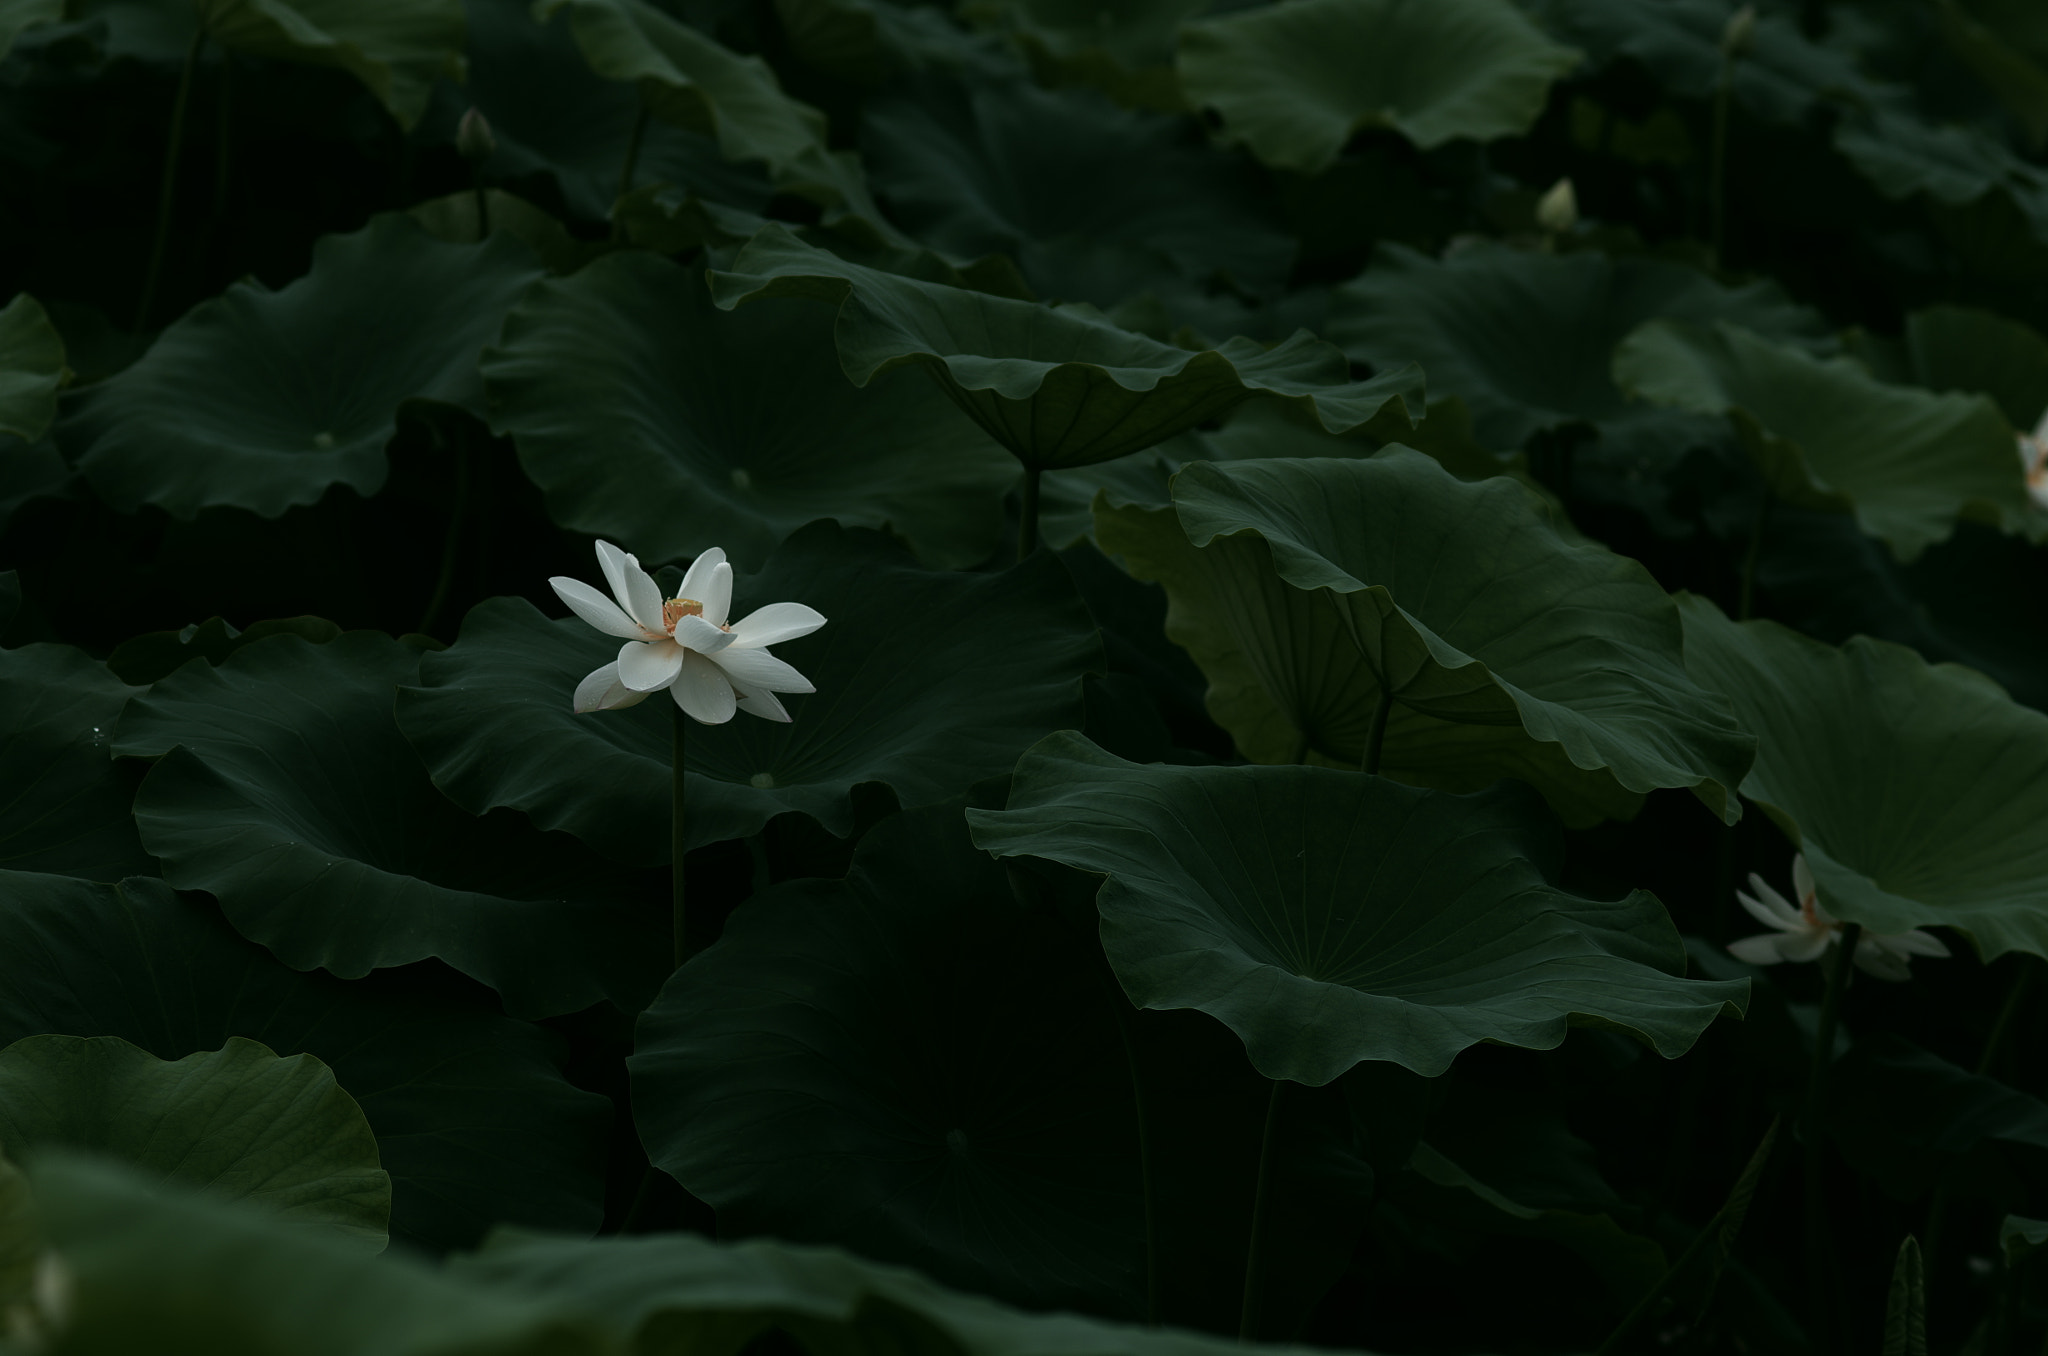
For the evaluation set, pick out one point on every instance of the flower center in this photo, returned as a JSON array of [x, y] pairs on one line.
[[675, 609]]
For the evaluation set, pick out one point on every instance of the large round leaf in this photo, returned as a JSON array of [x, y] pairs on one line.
[[1307, 588], [1329, 919], [262, 400], [175, 1270], [398, 48], [65, 807], [1095, 203], [1524, 338], [31, 368], [932, 1076], [365, 865], [1057, 386], [1295, 80], [1124, 49], [1917, 791], [474, 1121], [927, 682], [647, 415], [1826, 434], [238, 1121]]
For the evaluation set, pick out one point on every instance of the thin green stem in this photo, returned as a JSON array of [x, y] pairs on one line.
[[1121, 1006], [167, 190], [1255, 1248], [1994, 1045], [222, 142], [677, 891], [457, 511], [1717, 190], [1376, 734], [1752, 555], [641, 1196], [627, 170], [1671, 1276], [483, 205], [1819, 1274], [1027, 515]]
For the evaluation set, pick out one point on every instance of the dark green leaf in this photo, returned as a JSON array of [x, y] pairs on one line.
[[1914, 790], [927, 682], [1329, 918], [366, 865], [65, 803], [1905, 1306], [239, 1122], [32, 366], [727, 429], [1059, 387], [1126, 50], [156, 655], [1296, 81], [263, 400], [1826, 434], [2019, 1237], [474, 1121], [1910, 1119], [1296, 584], [16, 16], [397, 48], [933, 1077]]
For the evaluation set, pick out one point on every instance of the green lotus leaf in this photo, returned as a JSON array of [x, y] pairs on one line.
[[1525, 339], [1781, 76], [1960, 348], [1060, 386], [475, 1123], [65, 808], [1296, 81], [397, 48], [1095, 203], [550, 113], [1826, 434], [239, 1121], [32, 368], [1296, 583], [156, 655], [2019, 1237], [263, 400], [18, 16], [871, 42], [988, 664], [1124, 50], [1914, 789], [171, 1269], [1903, 153], [367, 866], [694, 82], [1906, 1117], [933, 1077], [727, 429], [1329, 918]]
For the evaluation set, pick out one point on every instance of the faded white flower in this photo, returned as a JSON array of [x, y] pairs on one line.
[[1805, 933], [684, 643], [2034, 461], [1557, 211]]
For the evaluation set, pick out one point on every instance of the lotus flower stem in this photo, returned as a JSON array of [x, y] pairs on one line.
[[1122, 1008], [627, 170], [167, 191], [445, 581], [678, 892], [1994, 1045], [1752, 555], [1376, 735], [1819, 1273], [1254, 1253], [1027, 516], [222, 144]]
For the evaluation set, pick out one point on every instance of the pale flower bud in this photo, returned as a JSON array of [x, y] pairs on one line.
[[1741, 27], [473, 137], [1557, 211]]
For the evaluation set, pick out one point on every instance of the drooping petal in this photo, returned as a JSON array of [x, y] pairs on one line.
[[1759, 950], [1802, 879], [1805, 946], [717, 595], [774, 624], [2041, 428], [1877, 961], [763, 703], [1769, 906], [602, 691], [702, 691], [700, 635], [697, 581], [752, 669], [1914, 943], [596, 609], [647, 666], [632, 586]]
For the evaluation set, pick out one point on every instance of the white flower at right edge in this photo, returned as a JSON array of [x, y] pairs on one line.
[[1805, 933], [2034, 458]]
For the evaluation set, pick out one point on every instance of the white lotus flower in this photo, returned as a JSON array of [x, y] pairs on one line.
[[2034, 457], [684, 643], [1805, 933]]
